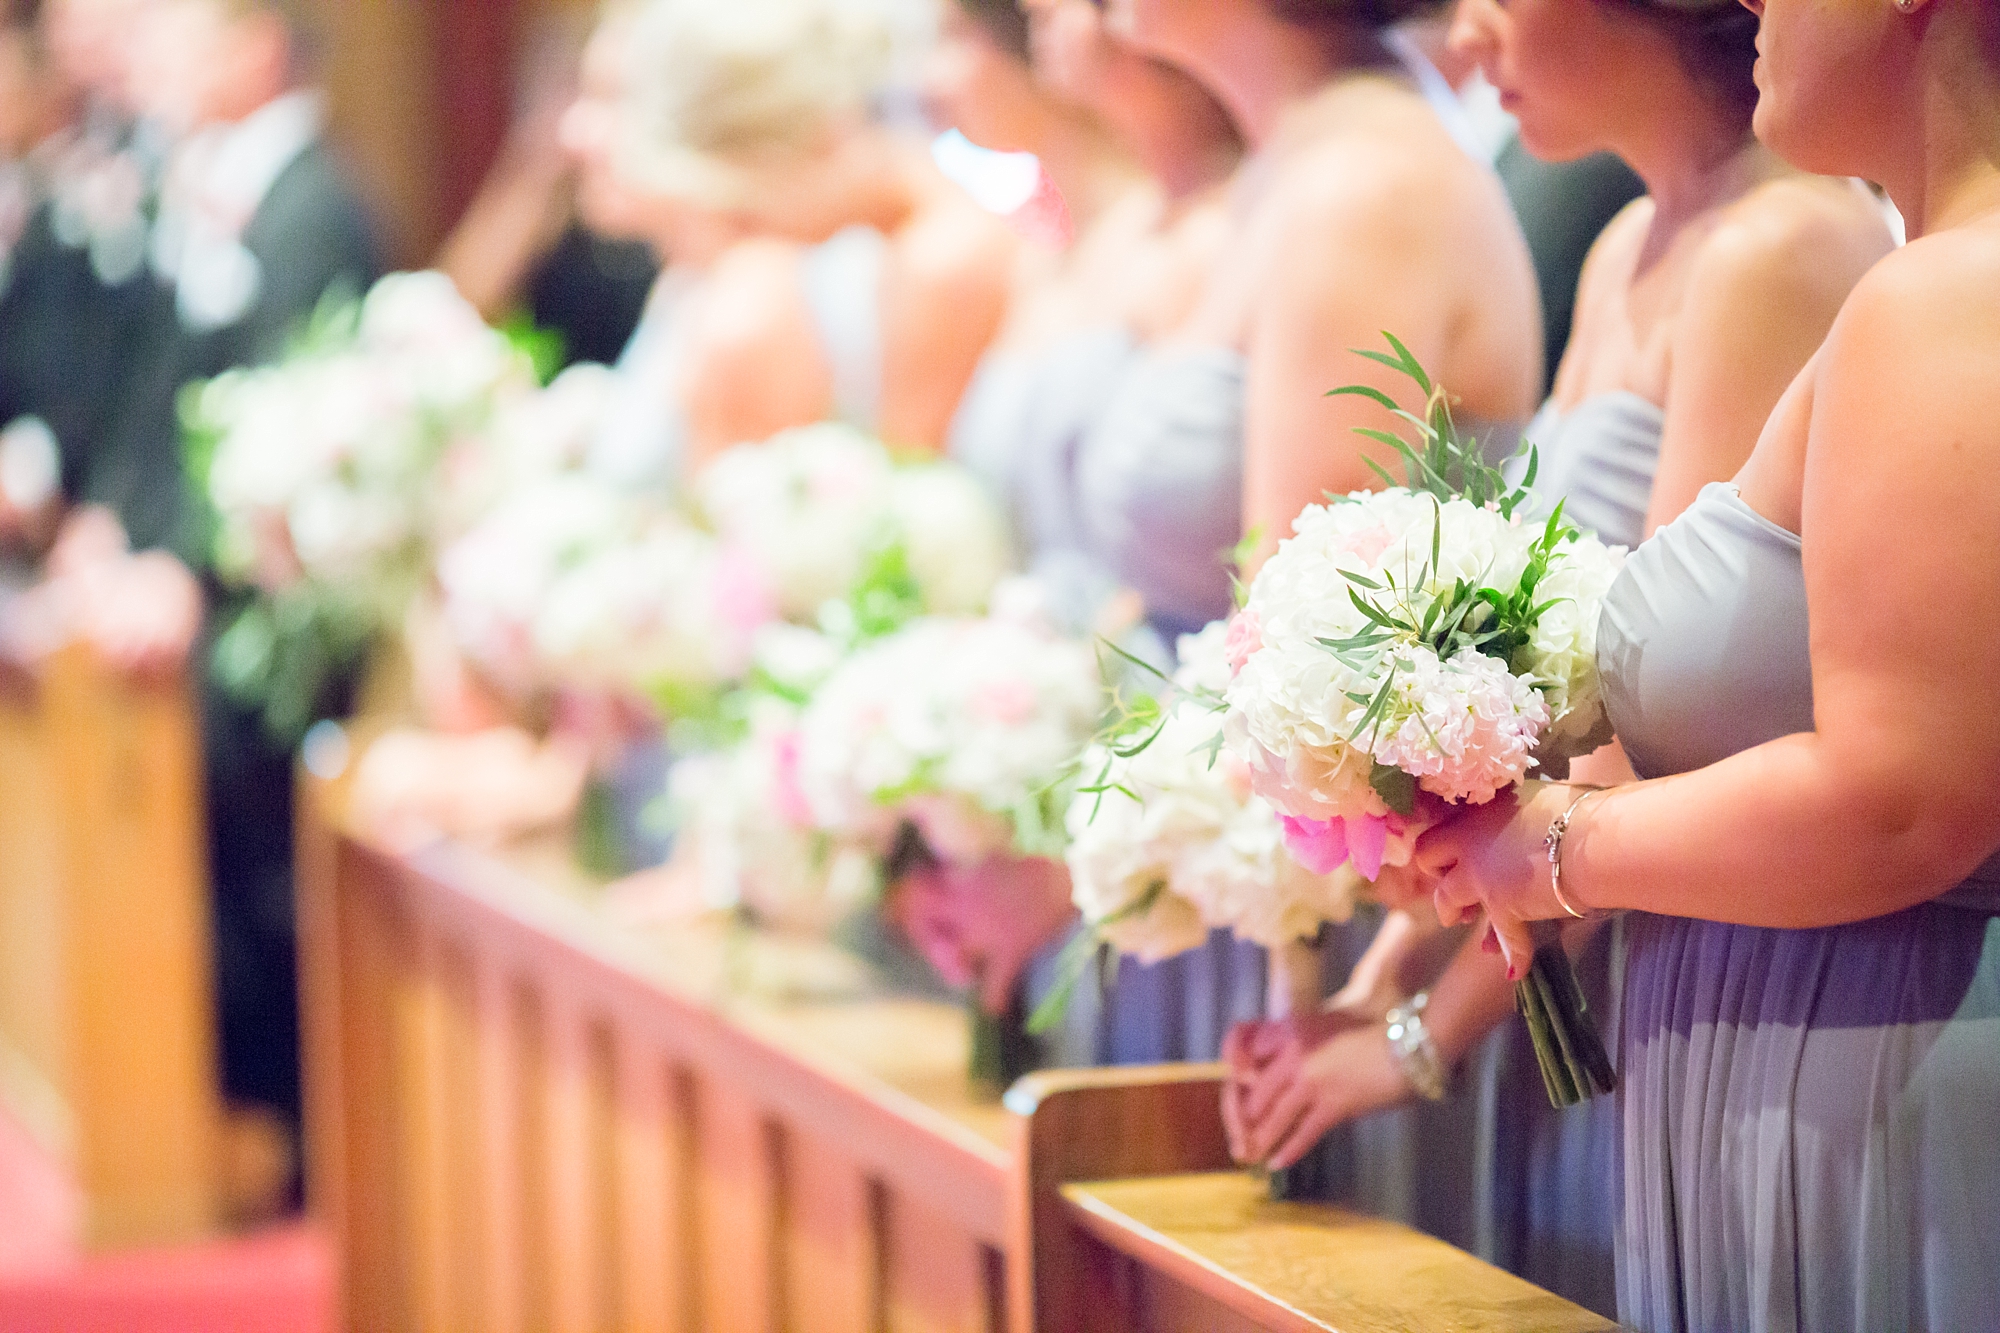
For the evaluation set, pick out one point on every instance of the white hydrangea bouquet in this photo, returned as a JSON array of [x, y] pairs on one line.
[[822, 510], [1167, 840], [948, 743], [324, 476], [954, 729], [1419, 647], [742, 820]]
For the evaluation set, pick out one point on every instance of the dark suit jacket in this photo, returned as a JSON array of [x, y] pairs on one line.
[[309, 236], [66, 341]]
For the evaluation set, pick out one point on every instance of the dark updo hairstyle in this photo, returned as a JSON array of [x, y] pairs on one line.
[[1717, 44], [1348, 15], [1002, 20]]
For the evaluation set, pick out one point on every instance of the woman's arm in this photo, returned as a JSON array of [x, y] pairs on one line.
[[1890, 800], [946, 291]]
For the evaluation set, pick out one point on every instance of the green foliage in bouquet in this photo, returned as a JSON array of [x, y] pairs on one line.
[[1447, 465]]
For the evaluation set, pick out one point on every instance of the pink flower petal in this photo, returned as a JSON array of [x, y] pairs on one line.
[[1320, 845], [1367, 837]]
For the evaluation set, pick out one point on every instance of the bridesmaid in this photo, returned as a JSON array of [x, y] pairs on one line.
[[1137, 153], [1801, 666], [1141, 153], [1356, 211], [823, 267], [1694, 313]]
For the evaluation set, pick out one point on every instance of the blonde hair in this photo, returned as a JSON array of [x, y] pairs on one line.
[[718, 87]]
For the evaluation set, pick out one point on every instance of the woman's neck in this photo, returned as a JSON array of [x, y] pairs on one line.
[[1087, 165], [1181, 135], [1262, 67], [1950, 171], [1692, 157]]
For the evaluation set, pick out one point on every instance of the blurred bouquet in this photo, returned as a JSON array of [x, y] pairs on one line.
[[818, 511], [1419, 647], [569, 583], [324, 475], [1168, 841], [955, 730], [748, 832]]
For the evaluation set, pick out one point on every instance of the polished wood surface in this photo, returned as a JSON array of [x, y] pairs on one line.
[[1180, 1249], [528, 1111], [1096, 1124], [105, 1015]]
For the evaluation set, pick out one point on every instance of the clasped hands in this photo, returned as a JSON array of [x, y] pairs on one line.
[[1493, 859], [140, 612], [1293, 1080], [980, 925]]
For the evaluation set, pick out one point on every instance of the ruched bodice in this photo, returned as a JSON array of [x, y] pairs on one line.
[[1806, 1113], [1159, 483], [1599, 458], [1120, 467], [1704, 646]]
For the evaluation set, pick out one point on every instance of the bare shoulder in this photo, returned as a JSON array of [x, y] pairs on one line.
[[1911, 356], [1931, 299], [1614, 255], [953, 247], [752, 301], [1360, 197], [1794, 240]]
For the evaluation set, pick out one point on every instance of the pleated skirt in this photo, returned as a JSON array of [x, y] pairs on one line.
[[1811, 1126]]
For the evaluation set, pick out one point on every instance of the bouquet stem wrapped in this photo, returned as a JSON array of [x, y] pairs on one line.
[[1571, 1054]]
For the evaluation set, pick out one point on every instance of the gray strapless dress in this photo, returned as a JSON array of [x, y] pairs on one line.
[[1546, 1201], [1809, 1116], [1121, 467]]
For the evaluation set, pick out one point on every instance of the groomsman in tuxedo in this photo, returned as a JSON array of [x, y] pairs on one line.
[[72, 240], [256, 227]]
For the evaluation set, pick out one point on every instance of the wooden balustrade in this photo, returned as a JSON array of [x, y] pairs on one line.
[[527, 1114], [522, 1115], [106, 1050]]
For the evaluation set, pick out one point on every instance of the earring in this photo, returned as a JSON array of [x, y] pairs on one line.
[[1906, 6]]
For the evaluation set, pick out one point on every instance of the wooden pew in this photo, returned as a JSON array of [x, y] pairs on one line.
[[1135, 1220], [106, 1047], [523, 1114]]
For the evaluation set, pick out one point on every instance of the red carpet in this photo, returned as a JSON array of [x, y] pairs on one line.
[[277, 1281]]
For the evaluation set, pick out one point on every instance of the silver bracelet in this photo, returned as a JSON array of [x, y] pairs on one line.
[[1414, 1052], [1559, 830]]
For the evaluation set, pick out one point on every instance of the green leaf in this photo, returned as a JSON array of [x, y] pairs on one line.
[[1364, 391], [1140, 662], [1397, 789]]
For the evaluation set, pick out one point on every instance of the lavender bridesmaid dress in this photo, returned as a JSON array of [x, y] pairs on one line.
[[1122, 468], [1546, 1183], [1809, 1115]]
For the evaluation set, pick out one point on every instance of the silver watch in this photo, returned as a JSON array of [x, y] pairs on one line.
[[1413, 1050]]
